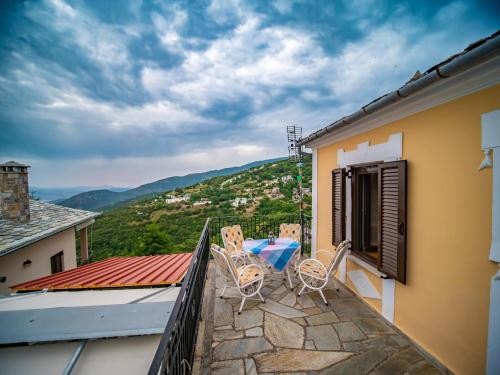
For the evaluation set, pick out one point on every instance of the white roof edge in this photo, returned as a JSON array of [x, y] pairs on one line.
[[473, 80], [478, 53]]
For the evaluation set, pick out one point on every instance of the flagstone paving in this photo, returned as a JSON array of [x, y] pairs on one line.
[[301, 335]]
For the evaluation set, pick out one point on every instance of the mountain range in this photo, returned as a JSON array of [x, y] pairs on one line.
[[104, 199], [58, 194], [154, 225]]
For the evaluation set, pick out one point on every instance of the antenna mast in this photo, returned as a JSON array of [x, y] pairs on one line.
[[294, 134]]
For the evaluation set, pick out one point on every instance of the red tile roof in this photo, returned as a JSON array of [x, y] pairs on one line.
[[116, 272]]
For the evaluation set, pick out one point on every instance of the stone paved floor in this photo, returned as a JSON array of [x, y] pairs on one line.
[[300, 335]]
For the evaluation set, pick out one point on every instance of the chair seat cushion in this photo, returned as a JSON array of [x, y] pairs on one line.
[[249, 275], [313, 269]]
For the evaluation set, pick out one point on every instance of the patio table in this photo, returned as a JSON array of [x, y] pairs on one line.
[[277, 255]]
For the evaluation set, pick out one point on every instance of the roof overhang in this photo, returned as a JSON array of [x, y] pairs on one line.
[[463, 75], [85, 224], [45, 234]]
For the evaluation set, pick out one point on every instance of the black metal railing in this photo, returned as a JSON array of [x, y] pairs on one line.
[[260, 226], [176, 349], [175, 352]]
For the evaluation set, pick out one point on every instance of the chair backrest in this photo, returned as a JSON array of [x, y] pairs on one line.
[[224, 262], [291, 230], [339, 255], [233, 235]]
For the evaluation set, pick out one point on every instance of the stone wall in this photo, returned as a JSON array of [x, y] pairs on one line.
[[14, 195]]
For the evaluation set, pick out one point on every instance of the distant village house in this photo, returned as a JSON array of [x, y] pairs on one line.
[[202, 202], [174, 199], [239, 202]]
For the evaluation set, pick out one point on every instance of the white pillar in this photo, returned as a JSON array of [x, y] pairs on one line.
[[490, 131], [314, 219], [84, 247]]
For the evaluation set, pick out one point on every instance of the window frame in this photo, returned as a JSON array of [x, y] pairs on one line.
[[354, 214], [54, 260]]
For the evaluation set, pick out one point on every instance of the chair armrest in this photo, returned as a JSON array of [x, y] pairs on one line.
[[231, 247], [324, 252], [239, 256]]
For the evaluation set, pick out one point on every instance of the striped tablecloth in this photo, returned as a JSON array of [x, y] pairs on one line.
[[277, 255]]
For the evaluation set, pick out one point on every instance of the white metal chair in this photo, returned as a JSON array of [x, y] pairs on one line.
[[247, 279], [233, 242], [314, 275]]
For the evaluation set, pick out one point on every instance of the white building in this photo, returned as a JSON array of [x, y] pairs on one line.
[[239, 201], [36, 238], [203, 202], [114, 331], [274, 181], [174, 199]]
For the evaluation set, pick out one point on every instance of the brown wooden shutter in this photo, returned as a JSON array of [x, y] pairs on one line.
[[392, 203], [338, 206]]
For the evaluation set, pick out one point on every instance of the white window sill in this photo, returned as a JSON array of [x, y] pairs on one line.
[[366, 266]]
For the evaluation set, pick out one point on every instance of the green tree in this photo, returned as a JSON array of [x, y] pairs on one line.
[[153, 241]]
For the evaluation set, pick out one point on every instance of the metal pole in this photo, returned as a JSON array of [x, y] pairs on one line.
[[301, 206], [74, 358]]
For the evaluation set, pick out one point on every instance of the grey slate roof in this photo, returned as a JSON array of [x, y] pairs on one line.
[[46, 219]]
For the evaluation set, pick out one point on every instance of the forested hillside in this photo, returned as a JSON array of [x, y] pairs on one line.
[[153, 226], [105, 199]]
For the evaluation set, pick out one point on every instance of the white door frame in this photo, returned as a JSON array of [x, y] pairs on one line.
[[364, 153]]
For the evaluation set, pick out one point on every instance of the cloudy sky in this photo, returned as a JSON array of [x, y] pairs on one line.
[[126, 92]]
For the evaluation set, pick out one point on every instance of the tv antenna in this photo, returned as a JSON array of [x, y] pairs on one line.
[[294, 134]]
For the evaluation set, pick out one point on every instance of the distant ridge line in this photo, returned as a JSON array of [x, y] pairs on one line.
[[103, 199]]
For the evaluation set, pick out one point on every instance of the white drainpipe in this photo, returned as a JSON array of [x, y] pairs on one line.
[[490, 131]]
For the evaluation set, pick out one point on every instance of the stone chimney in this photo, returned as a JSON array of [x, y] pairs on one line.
[[14, 192]]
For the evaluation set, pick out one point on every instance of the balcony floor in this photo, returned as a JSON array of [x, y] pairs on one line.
[[296, 335]]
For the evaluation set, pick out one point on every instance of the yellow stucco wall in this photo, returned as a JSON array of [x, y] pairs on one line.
[[444, 306], [39, 253]]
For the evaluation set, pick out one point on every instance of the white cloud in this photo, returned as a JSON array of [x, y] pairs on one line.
[[283, 6], [162, 113], [224, 11], [134, 171], [167, 30], [253, 61], [103, 43], [452, 11], [280, 72], [62, 8]]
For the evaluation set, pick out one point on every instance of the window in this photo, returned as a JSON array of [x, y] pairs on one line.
[[365, 212], [57, 262], [378, 221]]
